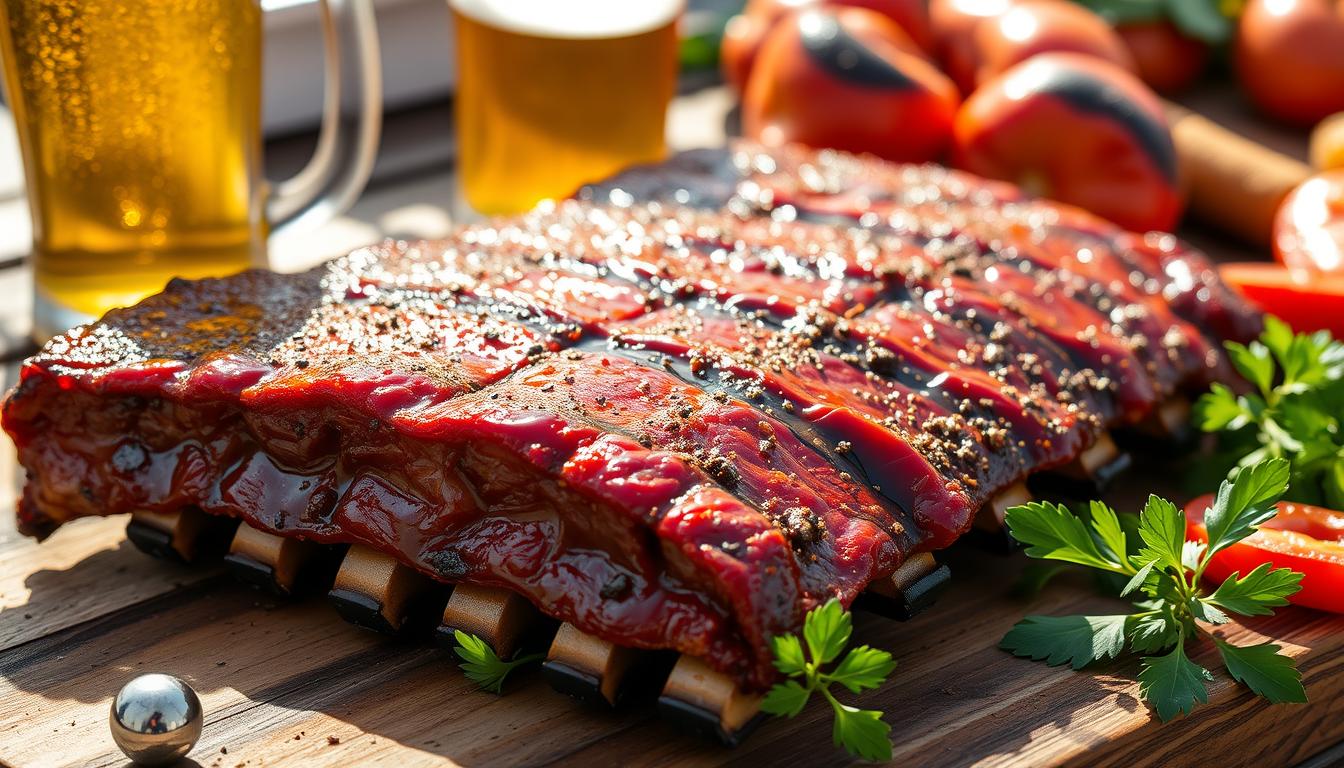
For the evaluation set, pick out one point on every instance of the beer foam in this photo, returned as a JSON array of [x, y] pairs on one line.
[[571, 18]]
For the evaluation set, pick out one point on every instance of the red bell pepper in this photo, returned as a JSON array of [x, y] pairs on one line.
[[1307, 539]]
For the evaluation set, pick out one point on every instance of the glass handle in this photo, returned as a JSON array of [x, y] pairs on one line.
[[352, 111]]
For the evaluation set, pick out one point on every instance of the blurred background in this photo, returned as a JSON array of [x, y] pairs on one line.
[[1201, 84]]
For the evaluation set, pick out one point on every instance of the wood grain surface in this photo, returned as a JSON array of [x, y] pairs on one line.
[[290, 684]]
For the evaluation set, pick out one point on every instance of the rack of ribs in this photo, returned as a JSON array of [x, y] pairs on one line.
[[649, 427]]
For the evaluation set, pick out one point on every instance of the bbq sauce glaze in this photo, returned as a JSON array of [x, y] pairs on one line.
[[675, 426]]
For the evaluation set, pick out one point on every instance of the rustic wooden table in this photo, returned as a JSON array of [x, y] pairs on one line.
[[290, 684]]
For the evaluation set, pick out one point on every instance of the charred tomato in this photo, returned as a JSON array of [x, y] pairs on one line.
[[1168, 61], [1290, 57], [841, 78], [746, 32], [953, 23], [1078, 130], [1032, 27]]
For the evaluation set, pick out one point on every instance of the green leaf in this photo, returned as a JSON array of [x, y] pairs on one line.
[[1173, 684], [1139, 578], [1207, 612], [1200, 19], [1162, 528], [1254, 364], [481, 665], [1074, 640], [1107, 531], [788, 654], [861, 669], [826, 630], [1244, 503], [1220, 409], [1278, 338], [862, 732], [1259, 592], [1332, 484], [785, 699], [1151, 632], [1127, 11], [1264, 670], [1191, 552], [1052, 532]]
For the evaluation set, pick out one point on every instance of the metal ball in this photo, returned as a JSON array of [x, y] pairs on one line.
[[156, 719]]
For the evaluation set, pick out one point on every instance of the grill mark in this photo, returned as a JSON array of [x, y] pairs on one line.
[[1093, 96], [832, 48], [806, 432]]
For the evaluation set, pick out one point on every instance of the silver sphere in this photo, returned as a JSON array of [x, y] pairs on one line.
[[156, 719]]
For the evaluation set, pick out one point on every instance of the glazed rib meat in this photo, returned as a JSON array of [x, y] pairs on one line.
[[677, 411]]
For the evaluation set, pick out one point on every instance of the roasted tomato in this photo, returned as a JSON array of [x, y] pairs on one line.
[[1290, 57], [1307, 539], [745, 33], [1078, 130], [839, 77], [953, 23], [1309, 227], [1032, 27], [1168, 61], [1306, 302]]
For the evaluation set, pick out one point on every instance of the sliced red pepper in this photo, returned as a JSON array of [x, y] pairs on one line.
[[1307, 539], [1307, 305]]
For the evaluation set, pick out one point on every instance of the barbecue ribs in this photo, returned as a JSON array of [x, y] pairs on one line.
[[677, 411]]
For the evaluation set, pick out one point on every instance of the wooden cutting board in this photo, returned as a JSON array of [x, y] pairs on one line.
[[290, 684]]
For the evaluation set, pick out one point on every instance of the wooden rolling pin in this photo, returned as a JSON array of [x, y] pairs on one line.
[[1233, 182]]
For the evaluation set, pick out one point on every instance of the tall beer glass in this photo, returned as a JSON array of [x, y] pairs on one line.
[[553, 94], [140, 126]]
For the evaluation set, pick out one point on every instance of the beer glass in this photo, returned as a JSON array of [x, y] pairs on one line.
[[140, 127], [551, 95]]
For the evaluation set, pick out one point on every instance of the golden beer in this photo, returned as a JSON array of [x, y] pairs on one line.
[[140, 127], [553, 94]]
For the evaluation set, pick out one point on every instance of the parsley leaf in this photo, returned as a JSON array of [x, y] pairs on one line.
[[1264, 670], [1258, 592], [785, 699], [1222, 409], [863, 668], [1173, 683], [826, 632], [1107, 531], [788, 654], [1244, 502], [482, 665], [861, 732], [1074, 640], [1166, 570], [1162, 528], [1052, 532], [1294, 412], [1151, 632]]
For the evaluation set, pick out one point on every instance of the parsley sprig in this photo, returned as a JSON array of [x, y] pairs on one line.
[[1294, 412], [482, 665], [826, 631], [1164, 571]]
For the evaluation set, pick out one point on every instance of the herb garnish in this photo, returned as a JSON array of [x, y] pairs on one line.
[[1165, 569], [826, 631], [1294, 412], [482, 665]]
